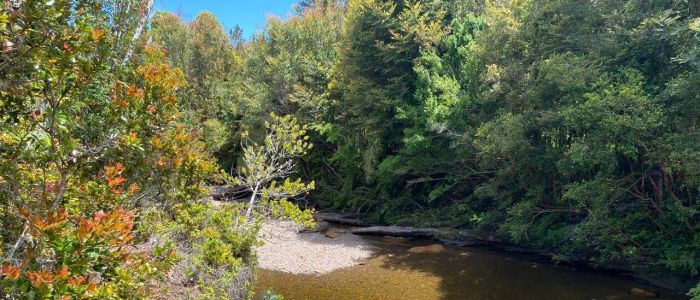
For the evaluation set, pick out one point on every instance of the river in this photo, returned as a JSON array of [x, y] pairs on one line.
[[457, 273]]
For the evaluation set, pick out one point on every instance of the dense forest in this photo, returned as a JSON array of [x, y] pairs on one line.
[[571, 126]]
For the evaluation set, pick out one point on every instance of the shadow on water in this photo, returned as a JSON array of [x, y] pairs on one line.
[[457, 273]]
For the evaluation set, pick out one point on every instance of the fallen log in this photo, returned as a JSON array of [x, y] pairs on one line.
[[339, 219], [398, 231]]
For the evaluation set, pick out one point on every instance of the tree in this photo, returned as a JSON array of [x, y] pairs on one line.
[[170, 32], [266, 168], [695, 293], [236, 37], [204, 52], [210, 63]]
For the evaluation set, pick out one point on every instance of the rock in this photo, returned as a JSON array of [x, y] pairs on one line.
[[640, 292], [322, 225], [332, 234], [436, 248]]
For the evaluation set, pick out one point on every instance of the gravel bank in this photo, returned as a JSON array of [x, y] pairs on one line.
[[286, 250]]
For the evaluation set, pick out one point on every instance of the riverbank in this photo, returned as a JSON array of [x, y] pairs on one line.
[[288, 249]]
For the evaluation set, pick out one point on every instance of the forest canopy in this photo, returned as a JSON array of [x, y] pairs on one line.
[[565, 125]]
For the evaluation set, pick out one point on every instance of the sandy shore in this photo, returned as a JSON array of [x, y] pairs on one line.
[[286, 250]]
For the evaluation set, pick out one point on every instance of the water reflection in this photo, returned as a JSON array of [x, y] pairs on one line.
[[454, 274]]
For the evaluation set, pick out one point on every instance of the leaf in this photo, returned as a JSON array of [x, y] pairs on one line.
[[63, 273], [97, 34], [10, 272]]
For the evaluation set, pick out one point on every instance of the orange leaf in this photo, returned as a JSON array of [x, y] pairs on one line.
[[97, 33], [113, 182], [76, 280], [11, 272], [63, 273], [85, 228], [134, 92], [99, 216], [133, 188], [38, 278], [39, 223], [24, 212]]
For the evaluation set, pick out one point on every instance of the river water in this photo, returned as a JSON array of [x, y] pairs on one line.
[[457, 273]]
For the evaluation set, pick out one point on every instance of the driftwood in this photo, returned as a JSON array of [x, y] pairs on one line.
[[398, 231], [447, 236], [343, 219]]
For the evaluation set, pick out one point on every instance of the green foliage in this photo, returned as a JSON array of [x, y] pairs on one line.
[[266, 167], [202, 50], [695, 293], [574, 144], [568, 125], [215, 244], [216, 135]]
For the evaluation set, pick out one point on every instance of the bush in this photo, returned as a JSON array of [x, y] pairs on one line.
[[215, 134], [215, 248], [82, 258], [89, 134]]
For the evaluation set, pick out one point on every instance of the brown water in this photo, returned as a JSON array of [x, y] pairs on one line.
[[457, 273]]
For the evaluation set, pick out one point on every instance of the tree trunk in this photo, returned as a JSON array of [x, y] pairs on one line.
[[252, 201], [139, 29]]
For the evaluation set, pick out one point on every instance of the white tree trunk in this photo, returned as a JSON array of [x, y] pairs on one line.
[[139, 29], [252, 201]]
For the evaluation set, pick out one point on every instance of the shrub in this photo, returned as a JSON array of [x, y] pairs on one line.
[[215, 247], [68, 257], [87, 137]]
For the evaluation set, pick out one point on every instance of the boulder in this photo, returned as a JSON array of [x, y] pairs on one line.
[[435, 248], [640, 292]]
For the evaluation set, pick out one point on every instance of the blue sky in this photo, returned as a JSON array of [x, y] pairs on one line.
[[249, 14]]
